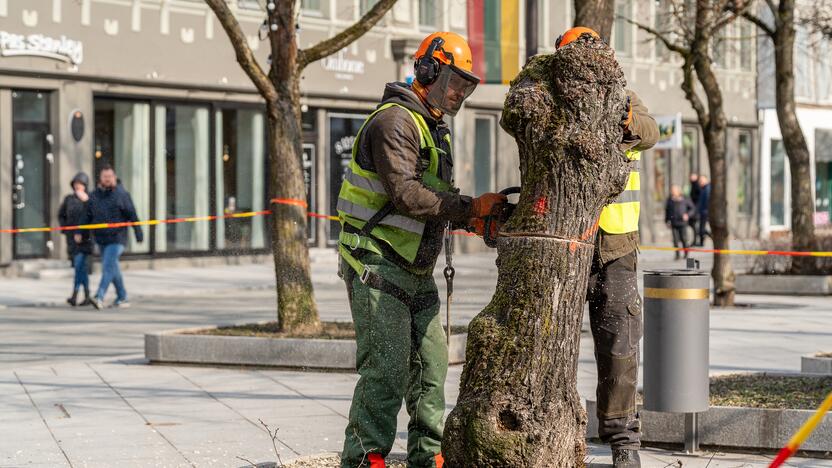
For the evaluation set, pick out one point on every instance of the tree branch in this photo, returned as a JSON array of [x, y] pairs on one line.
[[660, 36], [690, 93], [345, 37], [744, 10], [245, 57]]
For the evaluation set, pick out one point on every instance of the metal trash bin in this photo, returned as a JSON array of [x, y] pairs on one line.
[[676, 340]]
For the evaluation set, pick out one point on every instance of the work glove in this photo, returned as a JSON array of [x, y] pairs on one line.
[[484, 204], [627, 116]]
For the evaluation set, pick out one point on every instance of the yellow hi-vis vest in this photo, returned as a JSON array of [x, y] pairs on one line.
[[621, 216], [362, 196]]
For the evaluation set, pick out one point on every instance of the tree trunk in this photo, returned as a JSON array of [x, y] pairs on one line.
[[802, 202], [296, 308], [595, 14], [714, 136], [518, 404]]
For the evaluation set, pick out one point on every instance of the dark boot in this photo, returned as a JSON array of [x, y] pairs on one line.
[[73, 299], [625, 458], [86, 300]]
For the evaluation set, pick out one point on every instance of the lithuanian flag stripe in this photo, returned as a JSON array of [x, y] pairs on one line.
[[494, 37], [509, 43]]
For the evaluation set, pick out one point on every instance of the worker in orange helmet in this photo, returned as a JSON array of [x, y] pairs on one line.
[[395, 203], [614, 303]]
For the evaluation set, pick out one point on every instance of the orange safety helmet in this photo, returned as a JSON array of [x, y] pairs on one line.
[[443, 71], [454, 50], [574, 33]]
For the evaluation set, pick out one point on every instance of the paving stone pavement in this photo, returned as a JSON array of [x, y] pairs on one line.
[[74, 390]]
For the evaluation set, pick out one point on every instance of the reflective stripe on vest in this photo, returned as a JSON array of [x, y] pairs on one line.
[[362, 194], [621, 216]]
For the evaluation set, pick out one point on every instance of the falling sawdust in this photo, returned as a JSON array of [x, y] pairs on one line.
[[334, 461]]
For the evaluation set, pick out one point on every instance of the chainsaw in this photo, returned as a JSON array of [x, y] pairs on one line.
[[499, 216]]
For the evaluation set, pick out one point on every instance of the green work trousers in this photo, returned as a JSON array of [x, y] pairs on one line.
[[402, 355]]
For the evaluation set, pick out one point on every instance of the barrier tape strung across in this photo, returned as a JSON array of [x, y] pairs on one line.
[[803, 433], [304, 205], [739, 252]]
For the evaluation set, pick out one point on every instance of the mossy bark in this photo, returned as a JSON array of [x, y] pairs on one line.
[[518, 404]]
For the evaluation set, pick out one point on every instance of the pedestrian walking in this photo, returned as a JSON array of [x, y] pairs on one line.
[[612, 292], [702, 209], [111, 203], [395, 202], [677, 213], [694, 192], [79, 244]]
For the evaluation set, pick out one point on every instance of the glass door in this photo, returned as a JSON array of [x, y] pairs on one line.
[[32, 144]]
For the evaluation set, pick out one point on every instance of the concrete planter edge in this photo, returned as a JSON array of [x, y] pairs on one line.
[[177, 346], [729, 427], [812, 364], [792, 285]]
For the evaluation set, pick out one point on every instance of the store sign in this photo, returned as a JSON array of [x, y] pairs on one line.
[[342, 131], [670, 132], [309, 183], [344, 68], [38, 45]]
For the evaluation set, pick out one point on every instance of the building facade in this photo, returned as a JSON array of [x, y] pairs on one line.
[[813, 96], [152, 88]]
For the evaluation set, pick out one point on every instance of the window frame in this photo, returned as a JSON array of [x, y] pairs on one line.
[[213, 106]]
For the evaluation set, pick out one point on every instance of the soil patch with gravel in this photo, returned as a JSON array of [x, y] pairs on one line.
[[766, 391]]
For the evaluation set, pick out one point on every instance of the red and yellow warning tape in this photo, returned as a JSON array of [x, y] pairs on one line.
[[803, 433], [304, 205]]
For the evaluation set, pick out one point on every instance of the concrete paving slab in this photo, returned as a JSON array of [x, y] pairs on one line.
[[213, 412]]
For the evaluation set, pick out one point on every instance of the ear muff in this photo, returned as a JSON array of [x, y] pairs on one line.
[[426, 68]]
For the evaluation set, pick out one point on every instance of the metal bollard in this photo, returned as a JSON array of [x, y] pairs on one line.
[[676, 328]]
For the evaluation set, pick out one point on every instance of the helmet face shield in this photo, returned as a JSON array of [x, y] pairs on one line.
[[451, 88]]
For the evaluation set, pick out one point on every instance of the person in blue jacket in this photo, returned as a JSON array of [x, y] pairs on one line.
[[702, 209], [111, 203]]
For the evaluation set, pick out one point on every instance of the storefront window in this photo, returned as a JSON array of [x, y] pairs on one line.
[[660, 169], [122, 141], [483, 154], [240, 178], [342, 131], [745, 169], [32, 147], [181, 176], [823, 176], [778, 184]]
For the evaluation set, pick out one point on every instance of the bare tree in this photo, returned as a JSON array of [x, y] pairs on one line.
[[691, 33], [518, 404], [280, 88], [781, 30], [818, 17], [595, 14]]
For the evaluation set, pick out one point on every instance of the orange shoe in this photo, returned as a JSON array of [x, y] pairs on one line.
[[376, 460], [439, 460]]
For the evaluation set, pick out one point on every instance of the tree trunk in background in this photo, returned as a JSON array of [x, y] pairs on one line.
[[595, 14], [714, 136], [802, 202], [280, 88], [296, 308], [518, 404]]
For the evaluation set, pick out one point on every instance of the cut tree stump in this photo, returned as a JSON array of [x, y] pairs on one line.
[[518, 404]]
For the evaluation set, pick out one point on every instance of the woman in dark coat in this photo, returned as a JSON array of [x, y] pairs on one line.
[[79, 243]]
